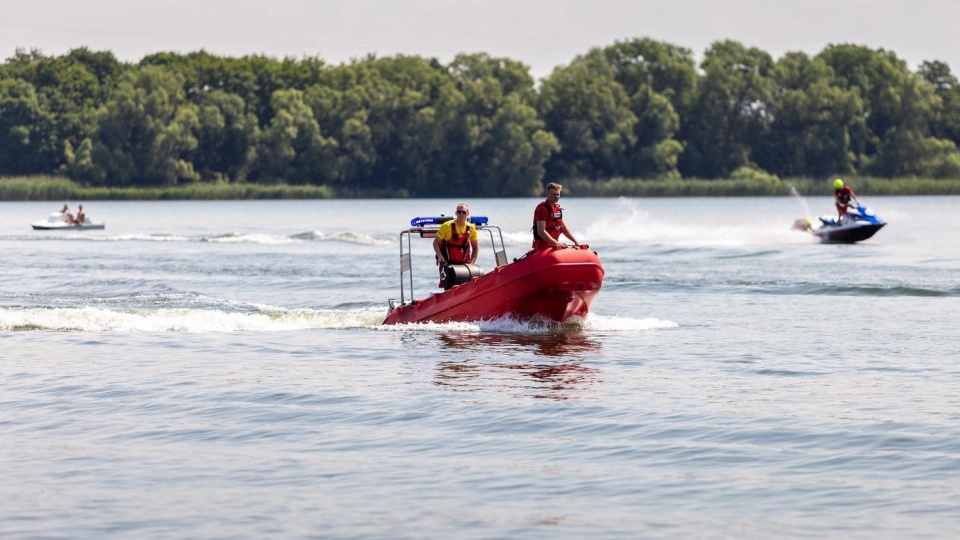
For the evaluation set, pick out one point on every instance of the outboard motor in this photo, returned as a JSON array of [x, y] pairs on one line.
[[458, 274]]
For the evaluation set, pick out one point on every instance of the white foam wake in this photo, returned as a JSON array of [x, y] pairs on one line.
[[630, 223], [183, 320], [270, 319], [592, 323]]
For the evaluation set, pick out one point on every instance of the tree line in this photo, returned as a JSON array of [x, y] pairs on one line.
[[637, 109]]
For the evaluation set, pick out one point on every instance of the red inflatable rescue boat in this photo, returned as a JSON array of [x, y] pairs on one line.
[[554, 284]]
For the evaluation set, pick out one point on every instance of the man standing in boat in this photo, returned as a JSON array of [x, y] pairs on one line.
[[456, 241], [548, 221]]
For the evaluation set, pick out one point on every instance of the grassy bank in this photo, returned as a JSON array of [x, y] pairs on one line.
[[622, 187], [54, 188]]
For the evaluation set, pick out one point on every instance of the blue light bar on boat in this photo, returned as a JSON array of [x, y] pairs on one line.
[[436, 220]]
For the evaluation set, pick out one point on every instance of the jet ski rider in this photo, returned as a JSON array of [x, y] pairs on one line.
[[843, 194]]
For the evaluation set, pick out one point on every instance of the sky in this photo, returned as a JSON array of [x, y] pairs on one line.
[[541, 34]]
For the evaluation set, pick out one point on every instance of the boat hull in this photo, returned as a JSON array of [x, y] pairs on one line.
[[554, 284], [847, 234], [44, 226]]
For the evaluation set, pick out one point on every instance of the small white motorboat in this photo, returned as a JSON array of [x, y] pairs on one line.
[[58, 222]]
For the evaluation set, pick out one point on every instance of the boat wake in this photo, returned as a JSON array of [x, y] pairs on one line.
[[273, 319], [346, 237], [509, 325], [633, 225], [90, 319]]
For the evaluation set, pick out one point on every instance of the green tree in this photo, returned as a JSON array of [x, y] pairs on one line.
[[293, 148], [589, 112], [356, 156], [146, 131], [254, 78], [391, 107], [899, 107], [514, 152], [69, 88], [945, 123], [732, 111], [495, 140], [812, 121], [227, 137], [28, 142], [661, 81], [667, 69]]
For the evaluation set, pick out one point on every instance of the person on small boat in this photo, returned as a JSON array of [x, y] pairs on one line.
[[81, 217], [548, 221], [65, 215], [456, 241], [843, 194]]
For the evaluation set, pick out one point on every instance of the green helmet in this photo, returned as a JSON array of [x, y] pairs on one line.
[[837, 184]]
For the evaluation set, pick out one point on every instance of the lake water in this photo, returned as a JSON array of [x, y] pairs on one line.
[[218, 370]]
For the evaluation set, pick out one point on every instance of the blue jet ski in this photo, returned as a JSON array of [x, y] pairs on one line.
[[858, 225]]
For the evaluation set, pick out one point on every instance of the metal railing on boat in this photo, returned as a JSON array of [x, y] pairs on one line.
[[427, 227]]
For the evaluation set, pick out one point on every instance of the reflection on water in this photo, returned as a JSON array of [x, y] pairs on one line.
[[563, 377], [559, 345]]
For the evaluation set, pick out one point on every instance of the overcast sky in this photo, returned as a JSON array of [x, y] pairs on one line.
[[539, 33]]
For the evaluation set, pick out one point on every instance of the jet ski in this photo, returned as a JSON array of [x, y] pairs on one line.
[[858, 225]]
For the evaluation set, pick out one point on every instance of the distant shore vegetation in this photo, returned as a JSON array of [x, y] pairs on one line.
[[56, 188], [638, 118]]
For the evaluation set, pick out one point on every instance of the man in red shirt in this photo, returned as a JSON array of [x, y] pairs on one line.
[[548, 221], [843, 194]]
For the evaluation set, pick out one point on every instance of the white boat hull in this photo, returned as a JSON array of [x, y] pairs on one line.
[[44, 226]]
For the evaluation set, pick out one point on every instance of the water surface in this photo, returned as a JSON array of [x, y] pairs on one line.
[[218, 370]]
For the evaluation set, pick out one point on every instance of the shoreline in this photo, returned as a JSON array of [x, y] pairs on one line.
[[54, 188]]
